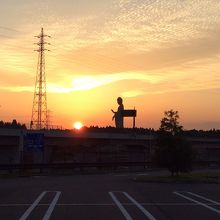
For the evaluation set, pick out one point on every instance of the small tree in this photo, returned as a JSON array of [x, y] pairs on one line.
[[170, 123], [172, 149]]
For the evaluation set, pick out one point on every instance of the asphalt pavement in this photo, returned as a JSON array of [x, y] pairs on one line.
[[105, 197]]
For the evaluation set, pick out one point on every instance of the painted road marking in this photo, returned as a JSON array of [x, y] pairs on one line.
[[148, 214], [52, 206], [121, 207], [200, 203], [36, 203], [31, 208], [105, 204], [202, 197], [124, 211]]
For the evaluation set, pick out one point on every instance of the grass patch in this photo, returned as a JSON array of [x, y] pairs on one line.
[[207, 177]]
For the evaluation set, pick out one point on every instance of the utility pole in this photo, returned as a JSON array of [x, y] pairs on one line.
[[39, 110]]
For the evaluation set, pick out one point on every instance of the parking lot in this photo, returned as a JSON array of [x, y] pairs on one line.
[[105, 196]]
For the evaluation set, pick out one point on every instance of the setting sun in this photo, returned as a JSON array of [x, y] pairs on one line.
[[77, 125]]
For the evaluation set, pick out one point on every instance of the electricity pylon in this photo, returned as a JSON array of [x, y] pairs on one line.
[[39, 110]]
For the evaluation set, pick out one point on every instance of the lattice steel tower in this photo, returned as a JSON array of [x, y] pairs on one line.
[[39, 110]]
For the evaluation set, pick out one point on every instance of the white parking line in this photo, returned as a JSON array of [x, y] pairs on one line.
[[105, 204], [121, 207], [31, 208], [51, 207], [36, 202], [148, 214], [124, 211], [200, 203], [202, 197]]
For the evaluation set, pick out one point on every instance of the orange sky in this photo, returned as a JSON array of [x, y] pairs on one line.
[[157, 55]]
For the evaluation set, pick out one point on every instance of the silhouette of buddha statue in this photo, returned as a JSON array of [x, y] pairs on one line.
[[119, 121]]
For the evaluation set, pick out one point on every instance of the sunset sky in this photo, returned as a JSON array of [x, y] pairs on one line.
[[156, 54]]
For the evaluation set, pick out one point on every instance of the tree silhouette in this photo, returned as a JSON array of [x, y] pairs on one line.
[[172, 150], [14, 124], [170, 122]]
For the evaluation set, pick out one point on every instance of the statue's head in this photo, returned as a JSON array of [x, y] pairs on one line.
[[119, 100]]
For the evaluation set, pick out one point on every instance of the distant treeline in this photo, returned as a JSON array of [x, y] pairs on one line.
[[14, 124], [152, 131], [202, 133], [109, 129]]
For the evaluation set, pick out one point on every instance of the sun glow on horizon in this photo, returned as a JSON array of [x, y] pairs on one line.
[[156, 55], [77, 125]]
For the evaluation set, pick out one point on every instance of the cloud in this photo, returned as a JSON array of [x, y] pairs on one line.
[[17, 88], [160, 44], [132, 93], [118, 36], [137, 83], [117, 57], [80, 83], [94, 81], [157, 24]]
